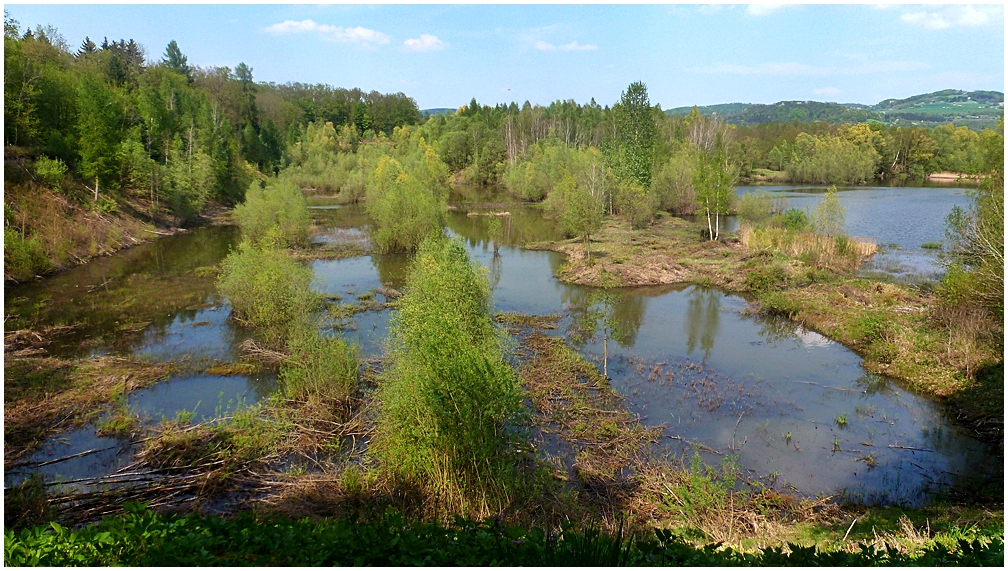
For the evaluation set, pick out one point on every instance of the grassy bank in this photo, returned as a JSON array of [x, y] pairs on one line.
[[900, 331]]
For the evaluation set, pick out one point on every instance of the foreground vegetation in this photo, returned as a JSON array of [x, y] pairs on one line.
[[142, 538]]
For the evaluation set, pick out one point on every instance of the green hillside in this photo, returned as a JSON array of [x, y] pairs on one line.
[[976, 109]]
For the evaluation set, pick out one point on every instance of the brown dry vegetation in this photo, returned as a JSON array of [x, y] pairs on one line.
[[46, 395]]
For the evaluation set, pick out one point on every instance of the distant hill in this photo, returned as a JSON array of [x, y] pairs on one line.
[[976, 109], [437, 110]]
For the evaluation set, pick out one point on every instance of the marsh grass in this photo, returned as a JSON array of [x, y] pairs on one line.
[[837, 253], [319, 368]]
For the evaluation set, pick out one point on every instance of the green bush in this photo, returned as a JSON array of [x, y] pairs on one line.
[[319, 367], [766, 277], [828, 216], [24, 258], [281, 206], [267, 289], [51, 171], [447, 395], [755, 207], [795, 220], [406, 202]]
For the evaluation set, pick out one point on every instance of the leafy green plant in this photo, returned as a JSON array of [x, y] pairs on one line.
[[319, 367], [51, 171]]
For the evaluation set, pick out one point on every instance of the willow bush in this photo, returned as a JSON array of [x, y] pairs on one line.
[[447, 394], [279, 205], [267, 289]]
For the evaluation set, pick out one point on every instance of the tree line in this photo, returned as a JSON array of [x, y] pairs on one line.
[[107, 115]]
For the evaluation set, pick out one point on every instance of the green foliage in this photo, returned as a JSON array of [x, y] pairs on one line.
[[319, 368], [636, 203], [406, 200], [828, 216], [631, 152], [713, 181], [795, 220], [495, 231], [975, 258], [51, 171], [277, 210], [582, 215], [766, 277], [447, 395], [145, 538], [100, 122], [673, 186], [267, 289], [757, 207], [24, 258]]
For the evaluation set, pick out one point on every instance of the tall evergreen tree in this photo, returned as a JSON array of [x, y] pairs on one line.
[[176, 61]]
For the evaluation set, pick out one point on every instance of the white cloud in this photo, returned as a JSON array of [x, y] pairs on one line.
[[425, 43], [826, 91], [574, 46], [358, 35], [951, 17], [763, 9], [571, 47]]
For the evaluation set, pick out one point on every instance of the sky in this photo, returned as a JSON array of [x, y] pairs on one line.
[[445, 55]]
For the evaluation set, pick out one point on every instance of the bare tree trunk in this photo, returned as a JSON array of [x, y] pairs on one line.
[[605, 351], [96, 188]]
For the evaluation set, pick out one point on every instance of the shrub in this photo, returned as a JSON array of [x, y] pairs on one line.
[[795, 220], [756, 207], [828, 215], [281, 206], [24, 258], [51, 171], [267, 289], [319, 367], [405, 205], [637, 204], [447, 395]]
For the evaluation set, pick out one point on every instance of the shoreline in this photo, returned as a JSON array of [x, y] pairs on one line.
[[907, 345]]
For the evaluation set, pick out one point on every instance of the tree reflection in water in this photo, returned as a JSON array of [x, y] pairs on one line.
[[703, 313]]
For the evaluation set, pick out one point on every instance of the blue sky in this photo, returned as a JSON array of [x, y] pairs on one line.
[[443, 55]]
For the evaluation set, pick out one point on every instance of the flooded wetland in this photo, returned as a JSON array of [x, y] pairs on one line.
[[796, 409]]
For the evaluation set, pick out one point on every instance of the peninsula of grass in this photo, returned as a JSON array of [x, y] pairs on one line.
[[900, 331]]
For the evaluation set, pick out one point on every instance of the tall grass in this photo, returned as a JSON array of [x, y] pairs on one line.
[[838, 253], [447, 395], [320, 369]]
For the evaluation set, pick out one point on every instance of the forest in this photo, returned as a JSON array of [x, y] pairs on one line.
[[424, 450]]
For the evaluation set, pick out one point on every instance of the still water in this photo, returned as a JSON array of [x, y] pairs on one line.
[[796, 408], [899, 219]]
